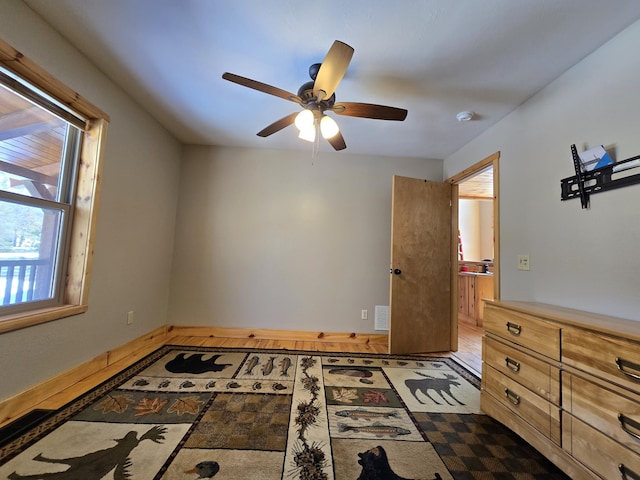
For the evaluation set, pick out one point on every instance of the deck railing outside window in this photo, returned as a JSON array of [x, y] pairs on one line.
[[18, 280]]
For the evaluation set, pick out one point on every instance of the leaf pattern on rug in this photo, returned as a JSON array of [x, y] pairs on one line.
[[115, 403], [375, 396], [186, 405], [149, 406], [345, 395]]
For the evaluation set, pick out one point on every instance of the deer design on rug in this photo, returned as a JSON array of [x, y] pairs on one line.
[[438, 385]]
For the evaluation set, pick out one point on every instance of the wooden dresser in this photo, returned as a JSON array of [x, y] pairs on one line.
[[568, 382]]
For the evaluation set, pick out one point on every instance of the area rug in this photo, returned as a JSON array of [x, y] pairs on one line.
[[193, 413]]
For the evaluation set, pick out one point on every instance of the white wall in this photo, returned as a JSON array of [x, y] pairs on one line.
[[272, 239], [584, 259], [136, 219]]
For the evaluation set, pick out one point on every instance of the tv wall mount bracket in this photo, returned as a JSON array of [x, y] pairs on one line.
[[583, 184]]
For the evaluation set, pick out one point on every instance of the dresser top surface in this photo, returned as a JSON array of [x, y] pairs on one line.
[[626, 328]]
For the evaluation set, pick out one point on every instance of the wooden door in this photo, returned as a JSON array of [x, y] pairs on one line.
[[420, 287]]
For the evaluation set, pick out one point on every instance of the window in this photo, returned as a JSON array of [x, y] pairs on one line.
[[47, 201]]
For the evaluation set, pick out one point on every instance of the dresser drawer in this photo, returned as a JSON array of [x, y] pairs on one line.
[[597, 451], [614, 359], [535, 410], [536, 375], [530, 332], [613, 414]]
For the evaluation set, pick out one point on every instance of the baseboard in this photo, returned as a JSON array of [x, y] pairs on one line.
[[18, 405], [14, 407], [268, 334]]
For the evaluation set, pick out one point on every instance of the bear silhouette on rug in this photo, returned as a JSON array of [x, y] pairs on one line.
[[194, 364], [375, 466]]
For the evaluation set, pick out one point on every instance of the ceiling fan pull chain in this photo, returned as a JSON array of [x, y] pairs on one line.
[[316, 144]]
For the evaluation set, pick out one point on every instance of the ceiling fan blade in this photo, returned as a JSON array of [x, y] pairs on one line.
[[261, 87], [369, 110], [332, 69], [337, 141], [278, 125]]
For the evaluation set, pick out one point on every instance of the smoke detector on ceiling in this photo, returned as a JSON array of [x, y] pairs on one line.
[[465, 116]]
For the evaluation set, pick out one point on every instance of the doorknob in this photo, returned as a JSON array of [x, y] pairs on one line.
[[396, 271]]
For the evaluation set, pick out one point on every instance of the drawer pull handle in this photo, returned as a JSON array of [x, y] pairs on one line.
[[514, 328], [512, 397], [626, 363], [512, 364], [626, 473], [627, 423]]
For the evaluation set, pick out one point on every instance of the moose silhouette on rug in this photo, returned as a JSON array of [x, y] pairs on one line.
[[375, 466], [438, 385], [95, 465]]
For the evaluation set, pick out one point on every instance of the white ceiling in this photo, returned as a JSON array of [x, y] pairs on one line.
[[433, 57]]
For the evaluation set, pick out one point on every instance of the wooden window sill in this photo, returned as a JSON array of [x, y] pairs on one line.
[[35, 317]]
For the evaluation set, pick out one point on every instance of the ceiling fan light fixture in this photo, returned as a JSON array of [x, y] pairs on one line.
[[304, 120], [328, 127], [308, 133], [316, 97]]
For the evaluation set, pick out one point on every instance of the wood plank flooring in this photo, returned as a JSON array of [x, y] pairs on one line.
[[469, 354], [469, 346]]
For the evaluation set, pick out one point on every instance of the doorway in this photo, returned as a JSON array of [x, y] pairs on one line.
[[474, 278]]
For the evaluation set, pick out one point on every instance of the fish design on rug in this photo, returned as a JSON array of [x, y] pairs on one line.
[[95, 465], [268, 367], [362, 373], [438, 385], [377, 429], [207, 469], [284, 365], [375, 466], [194, 364], [251, 365], [361, 413]]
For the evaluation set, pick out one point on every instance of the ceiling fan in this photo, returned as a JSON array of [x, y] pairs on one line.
[[317, 97]]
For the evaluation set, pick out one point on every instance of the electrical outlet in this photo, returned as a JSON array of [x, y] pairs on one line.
[[364, 314], [130, 317], [523, 262]]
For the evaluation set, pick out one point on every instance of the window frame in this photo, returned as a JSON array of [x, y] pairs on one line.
[[75, 293]]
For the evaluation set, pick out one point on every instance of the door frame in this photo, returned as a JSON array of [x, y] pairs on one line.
[[491, 160]]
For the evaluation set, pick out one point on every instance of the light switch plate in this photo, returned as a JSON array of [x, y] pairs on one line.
[[523, 262]]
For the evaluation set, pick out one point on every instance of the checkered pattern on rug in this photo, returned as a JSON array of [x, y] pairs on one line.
[[244, 421], [478, 447]]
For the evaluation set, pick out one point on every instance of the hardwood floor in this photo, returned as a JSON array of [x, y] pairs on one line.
[[470, 346], [469, 354]]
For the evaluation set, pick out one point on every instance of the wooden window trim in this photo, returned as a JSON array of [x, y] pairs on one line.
[[76, 290]]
